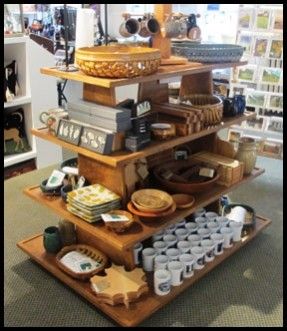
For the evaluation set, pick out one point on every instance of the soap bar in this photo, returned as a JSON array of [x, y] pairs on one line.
[[206, 172], [56, 179]]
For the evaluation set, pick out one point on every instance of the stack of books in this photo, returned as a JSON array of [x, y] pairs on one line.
[[90, 202]]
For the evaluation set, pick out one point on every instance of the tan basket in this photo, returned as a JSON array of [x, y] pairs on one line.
[[230, 170], [212, 106], [89, 251], [117, 61]]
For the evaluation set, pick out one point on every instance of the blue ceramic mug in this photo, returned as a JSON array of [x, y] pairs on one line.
[[52, 240]]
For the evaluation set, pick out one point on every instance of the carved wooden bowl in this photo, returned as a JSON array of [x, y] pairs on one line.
[[117, 61]]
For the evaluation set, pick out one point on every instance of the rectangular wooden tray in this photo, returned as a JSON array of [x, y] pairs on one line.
[[148, 303]]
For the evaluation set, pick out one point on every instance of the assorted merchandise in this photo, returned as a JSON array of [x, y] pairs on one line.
[[15, 137], [11, 85], [91, 201], [234, 106], [51, 118]]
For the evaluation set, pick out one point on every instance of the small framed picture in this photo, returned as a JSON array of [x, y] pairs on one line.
[[246, 73], [234, 135], [275, 124], [246, 41], [276, 49], [271, 75], [275, 101], [13, 20], [262, 19], [255, 99], [99, 141], [260, 46], [69, 131], [245, 18], [236, 89], [272, 147], [277, 22]]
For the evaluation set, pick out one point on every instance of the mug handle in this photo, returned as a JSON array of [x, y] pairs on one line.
[[42, 118]]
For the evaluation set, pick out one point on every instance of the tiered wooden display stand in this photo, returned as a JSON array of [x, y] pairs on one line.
[[118, 172]]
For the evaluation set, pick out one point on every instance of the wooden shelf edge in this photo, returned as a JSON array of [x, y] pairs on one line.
[[163, 73], [123, 157], [130, 238], [146, 305]]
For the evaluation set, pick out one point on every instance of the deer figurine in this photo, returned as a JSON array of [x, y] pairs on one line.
[[12, 133]]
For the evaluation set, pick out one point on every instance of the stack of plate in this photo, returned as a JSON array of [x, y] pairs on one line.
[[90, 202], [151, 203]]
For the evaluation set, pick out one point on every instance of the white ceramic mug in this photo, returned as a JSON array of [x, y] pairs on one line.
[[176, 269], [162, 282], [188, 260], [173, 254], [148, 255], [194, 239], [180, 224], [160, 247], [181, 234], [199, 254], [158, 236], [170, 229], [208, 247], [218, 240], [227, 234], [237, 214], [184, 246], [160, 262], [199, 213], [170, 239], [211, 216], [201, 222], [191, 227], [137, 253], [236, 228], [223, 221], [204, 233], [213, 226]]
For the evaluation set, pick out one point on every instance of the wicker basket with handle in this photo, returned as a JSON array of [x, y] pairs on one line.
[[90, 252], [118, 61], [212, 106]]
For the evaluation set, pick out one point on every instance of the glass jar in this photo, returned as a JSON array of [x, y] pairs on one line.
[[247, 153]]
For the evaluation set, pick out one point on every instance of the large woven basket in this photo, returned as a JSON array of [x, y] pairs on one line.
[[208, 52], [90, 252], [117, 61], [212, 106]]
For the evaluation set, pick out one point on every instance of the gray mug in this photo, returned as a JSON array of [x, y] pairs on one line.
[[129, 27]]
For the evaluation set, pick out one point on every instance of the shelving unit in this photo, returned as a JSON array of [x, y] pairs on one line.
[[118, 173]]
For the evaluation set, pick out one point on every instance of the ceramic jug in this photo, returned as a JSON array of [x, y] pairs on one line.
[[51, 118], [247, 153]]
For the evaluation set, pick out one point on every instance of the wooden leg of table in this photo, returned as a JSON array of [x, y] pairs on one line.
[[153, 91], [99, 94], [200, 83]]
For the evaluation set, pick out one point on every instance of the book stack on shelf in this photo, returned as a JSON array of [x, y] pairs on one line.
[[260, 31]]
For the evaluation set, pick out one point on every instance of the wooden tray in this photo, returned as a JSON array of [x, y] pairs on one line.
[[117, 61], [86, 250], [150, 216]]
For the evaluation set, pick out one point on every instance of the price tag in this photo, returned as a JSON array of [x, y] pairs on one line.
[[206, 172], [55, 179]]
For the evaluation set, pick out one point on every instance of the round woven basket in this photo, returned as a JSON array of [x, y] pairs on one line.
[[117, 61], [212, 106]]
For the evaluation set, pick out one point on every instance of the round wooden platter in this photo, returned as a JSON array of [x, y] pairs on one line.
[[151, 200], [183, 201], [151, 216]]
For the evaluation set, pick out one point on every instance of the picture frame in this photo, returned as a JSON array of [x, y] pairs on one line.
[[247, 73], [13, 20], [99, 141], [255, 99], [260, 46], [235, 89], [262, 19], [246, 41], [272, 147], [245, 18], [275, 101], [256, 123], [277, 21], [234, 135], [69, 131], [270, 75], [276, 49], [275, 124]]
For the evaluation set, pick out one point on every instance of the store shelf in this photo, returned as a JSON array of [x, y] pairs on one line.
[[18, 101], [10, 160], [149, 302], [141, 229], [162, 73], [15, 40], [123, 157]]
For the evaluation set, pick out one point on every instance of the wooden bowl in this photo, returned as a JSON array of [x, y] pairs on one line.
[[90, 252], [119, 227], [151, 200], [163, 131], [183, 201], [150, 216], [118, 61]]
